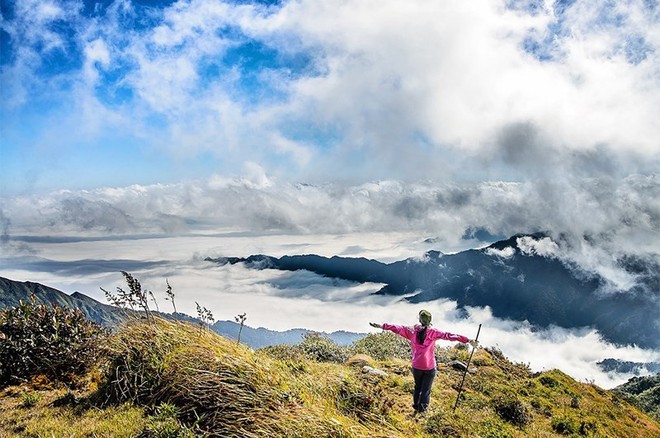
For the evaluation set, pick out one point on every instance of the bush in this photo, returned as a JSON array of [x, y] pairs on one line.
[[548, 382], [383, 346], [438, 425], [565, 425], [291, 356], [39, 339], [284, 352], [512, 410], [323, 349]]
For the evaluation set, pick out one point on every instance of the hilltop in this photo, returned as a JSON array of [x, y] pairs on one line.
[[173, 378]]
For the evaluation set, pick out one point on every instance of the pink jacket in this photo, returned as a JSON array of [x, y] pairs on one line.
[[423, 356]]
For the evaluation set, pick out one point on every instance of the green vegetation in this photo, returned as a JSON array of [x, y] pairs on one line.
[[162, 378], [383, 346], [39, 339], [643, 392]]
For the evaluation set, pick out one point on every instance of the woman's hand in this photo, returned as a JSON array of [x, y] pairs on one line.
[[474, 343], [373, 324]]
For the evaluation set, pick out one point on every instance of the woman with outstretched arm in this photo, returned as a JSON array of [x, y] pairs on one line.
[[422, 341]]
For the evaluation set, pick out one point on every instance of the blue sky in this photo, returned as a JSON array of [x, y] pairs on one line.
[[113, 93]]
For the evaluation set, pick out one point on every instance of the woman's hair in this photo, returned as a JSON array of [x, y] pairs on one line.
[[425, 320], [421, 335]]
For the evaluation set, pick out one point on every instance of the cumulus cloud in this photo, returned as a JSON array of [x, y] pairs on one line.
[[505, 253], [541, 113], [319, 89], [544, 247], [593, 227]]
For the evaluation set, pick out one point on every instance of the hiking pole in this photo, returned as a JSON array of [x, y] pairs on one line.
[[466, 369]]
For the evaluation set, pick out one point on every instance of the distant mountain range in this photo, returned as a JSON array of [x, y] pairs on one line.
[[515, 277], [11, 292], [628, 367], [262, 337]]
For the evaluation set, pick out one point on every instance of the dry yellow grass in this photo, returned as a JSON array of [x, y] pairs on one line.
[[219, 388]]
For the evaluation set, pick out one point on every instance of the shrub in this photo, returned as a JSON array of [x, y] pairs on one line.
[[284, 352], [383, 346], [39, 339], [512, 410], [565, 425], [291, 356], [323, 349], [548, 381]]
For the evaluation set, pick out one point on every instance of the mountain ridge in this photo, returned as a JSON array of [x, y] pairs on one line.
[[11, 292], [519, 278]]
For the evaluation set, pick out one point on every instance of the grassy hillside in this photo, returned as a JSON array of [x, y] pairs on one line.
[[176, 379]]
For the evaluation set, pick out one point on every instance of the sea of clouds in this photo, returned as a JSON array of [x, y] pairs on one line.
[[80, 240]]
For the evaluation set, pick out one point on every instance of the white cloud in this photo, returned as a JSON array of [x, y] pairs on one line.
[[544, 247], [390, 89], [505, 253], [590, 228]]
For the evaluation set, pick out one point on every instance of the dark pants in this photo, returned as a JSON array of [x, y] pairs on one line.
[[422, 394]]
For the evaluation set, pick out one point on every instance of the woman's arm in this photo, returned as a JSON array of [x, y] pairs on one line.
[[400, 330], [437, 334]]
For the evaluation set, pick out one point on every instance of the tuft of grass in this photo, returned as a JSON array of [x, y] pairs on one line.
[[30, 399], [164, 423]]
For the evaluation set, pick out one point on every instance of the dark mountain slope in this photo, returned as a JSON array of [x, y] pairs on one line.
[[11, 292], [515, 284]]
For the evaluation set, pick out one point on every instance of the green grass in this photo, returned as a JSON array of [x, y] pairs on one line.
[[42, 419], [173, 379]]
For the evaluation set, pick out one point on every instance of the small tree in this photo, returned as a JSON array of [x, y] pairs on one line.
[[170, 295], [153, 298], [133, 298], [205, 316], [241, 320]]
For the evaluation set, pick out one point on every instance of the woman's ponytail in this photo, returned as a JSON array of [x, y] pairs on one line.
[[421, 335]]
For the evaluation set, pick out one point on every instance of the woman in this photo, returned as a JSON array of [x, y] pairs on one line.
[[422, 340]]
